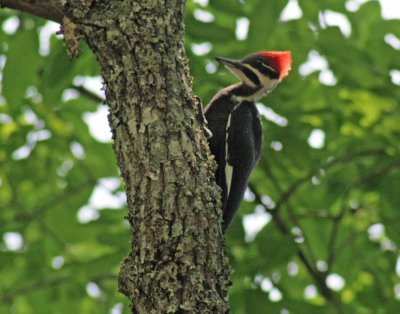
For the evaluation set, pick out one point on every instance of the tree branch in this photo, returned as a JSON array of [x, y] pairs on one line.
[[318, 277], [339, 160], [332, 249], [43, 284], [26, 217], [87, 93], [47, 9], [48, 283]]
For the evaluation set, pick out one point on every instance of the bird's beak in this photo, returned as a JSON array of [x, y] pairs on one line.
[[229, 63]]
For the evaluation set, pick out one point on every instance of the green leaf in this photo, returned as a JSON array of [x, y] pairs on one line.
[[57, 73], [273, 248], [201, 32], [21, 69]]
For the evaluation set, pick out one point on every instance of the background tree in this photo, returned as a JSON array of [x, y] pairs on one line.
[[320, 228]]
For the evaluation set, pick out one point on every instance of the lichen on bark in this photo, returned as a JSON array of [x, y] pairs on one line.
[[177, 262]]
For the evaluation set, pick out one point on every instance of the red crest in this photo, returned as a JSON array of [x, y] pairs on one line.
[[281, 61]]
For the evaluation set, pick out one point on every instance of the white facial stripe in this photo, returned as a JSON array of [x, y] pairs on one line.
[[242, 77], [268, 67], [265, 81]]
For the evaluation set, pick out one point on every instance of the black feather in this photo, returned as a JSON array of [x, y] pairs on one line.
[[244, 145]]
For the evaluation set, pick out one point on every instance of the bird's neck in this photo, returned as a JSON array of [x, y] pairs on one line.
[[241, 92]]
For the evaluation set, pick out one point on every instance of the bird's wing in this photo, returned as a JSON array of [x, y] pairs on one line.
[[243, 150]]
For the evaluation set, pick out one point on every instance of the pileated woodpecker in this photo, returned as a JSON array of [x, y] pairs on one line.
[[233, 120]]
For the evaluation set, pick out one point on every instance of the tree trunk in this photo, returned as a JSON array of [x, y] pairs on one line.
[[178, 261]]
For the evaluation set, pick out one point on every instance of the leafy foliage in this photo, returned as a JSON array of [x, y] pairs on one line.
[[325, 193], [50, 167]]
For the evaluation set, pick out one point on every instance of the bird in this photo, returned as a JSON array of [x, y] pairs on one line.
[[234, 122]]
